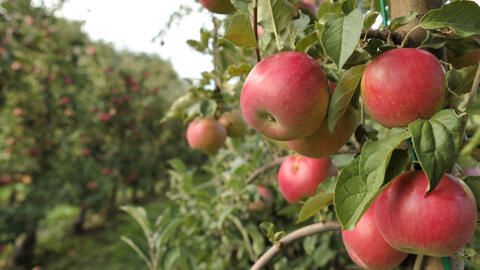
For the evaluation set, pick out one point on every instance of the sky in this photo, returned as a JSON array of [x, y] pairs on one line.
[[132, 25]]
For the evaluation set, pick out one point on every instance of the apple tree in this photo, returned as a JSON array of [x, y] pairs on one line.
[[394, 106]]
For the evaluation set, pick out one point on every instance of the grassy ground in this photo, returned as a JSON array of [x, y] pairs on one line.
[[100, 248]]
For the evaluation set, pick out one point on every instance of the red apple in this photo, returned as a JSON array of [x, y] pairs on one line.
[[92, 185], [366, 246], [234, 123], [106, 171], [104, 116], [266, 196], [438, 223], [308, 5], [206, 135], [33, 152], [299, 176], [322, 143], [285, 96], [403, 85], [218, 6], [17, 112]]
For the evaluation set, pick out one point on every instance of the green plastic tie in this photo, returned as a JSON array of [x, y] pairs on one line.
[[384, 12], [446, 264]]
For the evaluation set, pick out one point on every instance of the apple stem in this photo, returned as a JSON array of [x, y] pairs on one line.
[[255, 28], [418, 262]]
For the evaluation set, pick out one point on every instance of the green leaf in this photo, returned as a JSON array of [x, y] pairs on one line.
[[129, 242], [305, 43], [208, 107], [340, 36], [460, 81], [359, 182], [404, 20], [240, 31], [328, 6], [349, 5], [237, 70], [369, 20], [436, 143], [473, 182], [313, 205], [140, 216], [167, 232], [343, 94], [274, 16], [328, 185], [269, 230], [177, 164], [242, 6], [460, 16]]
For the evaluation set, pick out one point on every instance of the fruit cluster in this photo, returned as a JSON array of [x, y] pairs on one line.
[[404, 219]]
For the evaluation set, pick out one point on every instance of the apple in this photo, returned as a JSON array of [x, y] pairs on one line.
[[308, 5], [206, 135], [92, 185], [266, 196], [299, 176], [33, 152], [218, 6], [104, 116], [438, 223], [285, 96], [403, 85], [234, 123], [322, 143], [366, 246], [106, 171]]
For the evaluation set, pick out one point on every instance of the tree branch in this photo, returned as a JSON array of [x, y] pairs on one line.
[[396, 37], [292, 237], [276, 162], [255, 28]]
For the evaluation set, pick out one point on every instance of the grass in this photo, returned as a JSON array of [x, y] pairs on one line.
[[99, 249]]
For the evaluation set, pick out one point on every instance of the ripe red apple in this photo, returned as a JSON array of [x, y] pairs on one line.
[[218, 6], [33, 152], [17, 112], [438, 223], [308, 5], [206, 135], [234, 123], [366, 246], [285, 96], [92, 185], [299, 176], [266, 197], [104, 116], [403, 85], [322, 143], [106, 171]]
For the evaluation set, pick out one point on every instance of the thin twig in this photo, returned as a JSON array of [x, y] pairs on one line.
[[292, 237], [418, 262], [276, 162], [471, 97], [383, 34], [408, 34], [255, 28]]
